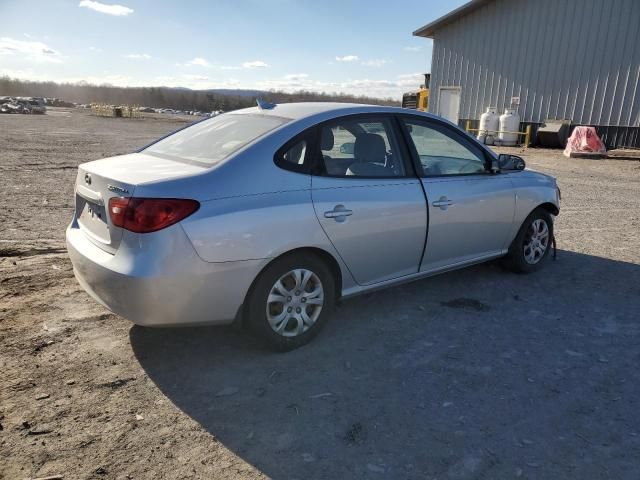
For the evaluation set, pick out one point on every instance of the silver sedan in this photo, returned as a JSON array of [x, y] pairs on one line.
[[269, 215]]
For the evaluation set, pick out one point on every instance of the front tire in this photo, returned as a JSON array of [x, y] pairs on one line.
[[530, 249], [291, 301]]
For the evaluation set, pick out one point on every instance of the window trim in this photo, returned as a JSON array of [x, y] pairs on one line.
[[318, 169], [448, 131], [307, 164]]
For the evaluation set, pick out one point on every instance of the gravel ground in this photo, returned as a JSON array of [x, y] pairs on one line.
[[474, 374]]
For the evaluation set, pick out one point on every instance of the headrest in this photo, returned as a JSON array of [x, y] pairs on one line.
[[370, 147], [326, 142]]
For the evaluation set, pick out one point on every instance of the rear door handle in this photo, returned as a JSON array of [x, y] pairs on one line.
[[442, 203], [338, 212]]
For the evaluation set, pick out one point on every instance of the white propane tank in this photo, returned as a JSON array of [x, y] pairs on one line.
[[489, 122], [509, 122]]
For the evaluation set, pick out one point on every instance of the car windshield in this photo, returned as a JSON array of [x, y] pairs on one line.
[[214, 140]]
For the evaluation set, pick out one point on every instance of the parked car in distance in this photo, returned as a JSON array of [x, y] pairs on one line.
[[268, 216], [37, 105], [16, 105]]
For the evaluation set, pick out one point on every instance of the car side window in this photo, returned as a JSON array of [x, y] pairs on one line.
[[441, 154], [292, 157], [295, 154], [352, 147]]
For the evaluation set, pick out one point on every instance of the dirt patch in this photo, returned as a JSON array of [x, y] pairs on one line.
[[17, 252]]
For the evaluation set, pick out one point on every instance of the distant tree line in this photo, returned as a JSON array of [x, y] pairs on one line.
[[166, 97]]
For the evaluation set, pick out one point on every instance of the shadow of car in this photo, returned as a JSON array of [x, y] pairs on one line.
[[467, 375]]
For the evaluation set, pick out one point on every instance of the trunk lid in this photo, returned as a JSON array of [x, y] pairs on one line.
[[99, 181]]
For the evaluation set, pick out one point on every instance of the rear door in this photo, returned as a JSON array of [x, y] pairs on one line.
[[470, 210], [367, 200]]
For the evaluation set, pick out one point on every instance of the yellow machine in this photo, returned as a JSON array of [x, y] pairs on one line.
[[419, 99]]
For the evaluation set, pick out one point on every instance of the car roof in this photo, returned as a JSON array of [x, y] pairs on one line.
[[298, 111]]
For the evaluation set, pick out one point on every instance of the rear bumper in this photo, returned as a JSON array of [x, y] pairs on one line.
[[158, 279]]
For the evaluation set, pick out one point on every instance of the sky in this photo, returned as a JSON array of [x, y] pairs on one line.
[[356, 47]]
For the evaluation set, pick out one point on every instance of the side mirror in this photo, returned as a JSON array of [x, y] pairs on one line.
[[511, 162], [347, 148], [518, 163]]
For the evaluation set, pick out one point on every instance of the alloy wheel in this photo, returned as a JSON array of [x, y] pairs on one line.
[[536, 241]]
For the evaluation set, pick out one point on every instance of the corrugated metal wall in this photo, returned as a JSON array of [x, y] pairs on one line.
[[565, 59]]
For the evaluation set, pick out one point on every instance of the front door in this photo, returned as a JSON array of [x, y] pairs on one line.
[[449, 103], [470, 210], [367, 200]]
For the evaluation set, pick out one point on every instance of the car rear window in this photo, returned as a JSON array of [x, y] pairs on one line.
[[211, 141]]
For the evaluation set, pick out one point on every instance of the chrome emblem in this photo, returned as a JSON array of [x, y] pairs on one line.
[[114, 188], [87, 178]]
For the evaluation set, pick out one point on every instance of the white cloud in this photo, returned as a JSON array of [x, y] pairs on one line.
[[198, 61], [410, 80], [201, 62], [255, 64], [393, 88], [375, 62], [139, 56], [200, 78], [348, 58], [296, 76], [117, 10], [413, 49], [249, 65], [35, 51]]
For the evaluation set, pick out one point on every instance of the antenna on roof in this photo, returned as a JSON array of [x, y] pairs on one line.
[[264, 105]]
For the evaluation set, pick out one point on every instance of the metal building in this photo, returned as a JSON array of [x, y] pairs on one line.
[[556, 59]]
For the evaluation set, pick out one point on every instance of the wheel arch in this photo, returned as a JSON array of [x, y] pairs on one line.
[[549, 207], [325, 256]]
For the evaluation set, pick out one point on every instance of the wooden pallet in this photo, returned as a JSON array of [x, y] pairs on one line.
[[592, 155]]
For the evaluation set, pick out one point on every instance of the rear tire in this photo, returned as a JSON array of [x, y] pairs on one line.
[[291, 301], [530, 249]]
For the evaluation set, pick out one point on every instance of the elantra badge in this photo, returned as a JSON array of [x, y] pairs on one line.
[[114, 188]]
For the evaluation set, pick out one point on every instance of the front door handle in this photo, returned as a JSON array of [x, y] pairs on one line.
[[443, 203], [338, 212]]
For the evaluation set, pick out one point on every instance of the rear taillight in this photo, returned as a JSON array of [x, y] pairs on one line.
[[144, 215]]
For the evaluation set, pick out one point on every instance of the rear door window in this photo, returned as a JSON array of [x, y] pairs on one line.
[[352, 147]]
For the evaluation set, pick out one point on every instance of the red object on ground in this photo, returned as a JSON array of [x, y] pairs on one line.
[[584, 139]]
